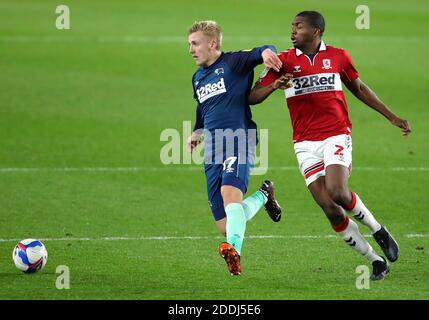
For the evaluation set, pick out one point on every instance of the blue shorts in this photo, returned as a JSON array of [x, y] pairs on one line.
[[229, 173]]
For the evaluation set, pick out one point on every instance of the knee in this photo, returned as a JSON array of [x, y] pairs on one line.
[[339, 194], [228, 198], [231, 195]]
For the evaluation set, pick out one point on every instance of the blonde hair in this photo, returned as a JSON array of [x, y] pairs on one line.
[[209, 28]]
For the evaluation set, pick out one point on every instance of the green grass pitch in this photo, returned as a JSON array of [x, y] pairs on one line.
[[100, 94]]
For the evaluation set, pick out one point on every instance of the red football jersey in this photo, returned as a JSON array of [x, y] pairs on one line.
[[316, 102]]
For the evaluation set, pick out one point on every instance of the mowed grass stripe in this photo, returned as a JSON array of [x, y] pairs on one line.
[[165, 39], [164, 238], [184, 168]]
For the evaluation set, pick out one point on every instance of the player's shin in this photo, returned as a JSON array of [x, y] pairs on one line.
[[348, 230], [360, 212], [235, 225], [253, 203]]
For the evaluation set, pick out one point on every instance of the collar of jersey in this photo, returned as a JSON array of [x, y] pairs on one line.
[[322, 48], [216, 62]]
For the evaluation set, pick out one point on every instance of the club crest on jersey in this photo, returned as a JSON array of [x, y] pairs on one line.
[[326, 64], [218, 71], [210, 90], [297, 69]]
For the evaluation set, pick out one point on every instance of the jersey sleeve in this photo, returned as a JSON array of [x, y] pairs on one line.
[[199, 121], [267, 77], [246, 60], [348, 72]]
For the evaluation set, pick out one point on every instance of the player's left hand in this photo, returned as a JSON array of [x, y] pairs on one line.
[[282, 82], [194, 140], [271, 59], [403, 124]]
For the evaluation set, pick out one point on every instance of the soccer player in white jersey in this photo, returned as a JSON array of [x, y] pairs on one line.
[[311, 76]]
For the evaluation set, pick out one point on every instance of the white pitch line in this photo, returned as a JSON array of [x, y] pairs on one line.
[[95, 169], [114, 238], [164, 238], [187, 168], [416, 235], [364, 168]]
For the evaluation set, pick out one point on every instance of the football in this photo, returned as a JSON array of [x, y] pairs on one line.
[[30, 255]]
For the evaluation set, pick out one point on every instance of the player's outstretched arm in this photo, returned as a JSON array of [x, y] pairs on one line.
[[361, 91], [260, 93]]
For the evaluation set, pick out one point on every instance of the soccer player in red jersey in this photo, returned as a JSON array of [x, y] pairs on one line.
[[311, 78]]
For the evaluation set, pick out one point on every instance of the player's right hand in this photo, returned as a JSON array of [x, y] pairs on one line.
[[282, 82], [271, 59], [403, 124], [193, 141]]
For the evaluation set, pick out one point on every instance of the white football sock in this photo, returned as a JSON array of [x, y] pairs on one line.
[[348, 230], [361, 213]]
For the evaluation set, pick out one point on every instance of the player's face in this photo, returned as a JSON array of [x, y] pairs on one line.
[[302, 32], [201, 47]]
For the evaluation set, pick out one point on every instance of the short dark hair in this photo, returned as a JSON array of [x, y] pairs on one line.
[[315, 19]]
